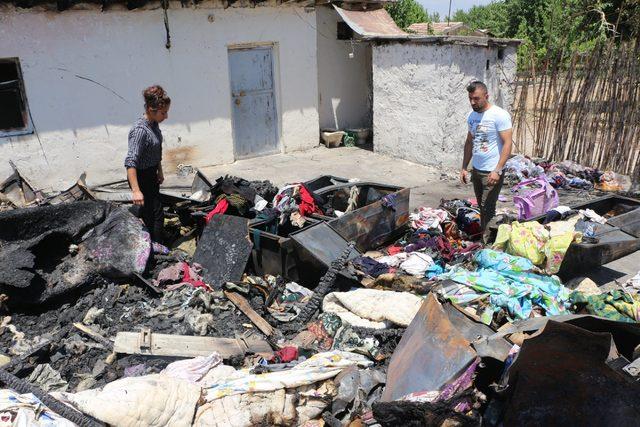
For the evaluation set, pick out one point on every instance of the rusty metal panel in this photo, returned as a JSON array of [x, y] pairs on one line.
[[560, 378], [431, 352], [370, 23], [477, 333], [625, 335], [372, 225]]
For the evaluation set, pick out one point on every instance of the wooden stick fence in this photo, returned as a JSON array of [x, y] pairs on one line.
[[586, 109]]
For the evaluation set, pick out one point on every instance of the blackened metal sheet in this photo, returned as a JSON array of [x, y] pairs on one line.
[[476, 333], [372, 225], [581, 257], [431, 353], [321, 243], [625, 335], [17, 189], [200, 182], [560, 378], [606, 204], [628, 222], [224, 249], [79, 191], [324, 181], [274, 254]]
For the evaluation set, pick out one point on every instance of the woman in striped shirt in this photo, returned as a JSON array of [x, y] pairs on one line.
[[144, 159]]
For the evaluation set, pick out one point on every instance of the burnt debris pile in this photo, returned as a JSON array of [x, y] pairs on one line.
[[325, 302]]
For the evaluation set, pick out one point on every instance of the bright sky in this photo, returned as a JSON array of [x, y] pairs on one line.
[[442, 6]]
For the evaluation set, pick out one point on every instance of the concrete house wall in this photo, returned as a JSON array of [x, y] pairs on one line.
[[420, 104], [84, 71], [344, 83]]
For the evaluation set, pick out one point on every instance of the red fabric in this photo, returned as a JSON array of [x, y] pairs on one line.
[[443, 245], [325, 341], [285, 355], [307, 205], [392, 250], [220, 208], [186, 277]]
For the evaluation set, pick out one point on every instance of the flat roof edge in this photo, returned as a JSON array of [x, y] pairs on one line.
[[461, 40]]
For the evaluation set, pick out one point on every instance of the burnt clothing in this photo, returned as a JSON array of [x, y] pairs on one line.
[[151, 212], [145, 145]]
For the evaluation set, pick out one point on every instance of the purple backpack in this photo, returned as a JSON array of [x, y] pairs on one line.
[[534, 197]]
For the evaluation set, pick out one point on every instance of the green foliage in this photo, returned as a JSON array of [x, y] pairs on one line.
[[555, 27], [491, 17], [407, 12]]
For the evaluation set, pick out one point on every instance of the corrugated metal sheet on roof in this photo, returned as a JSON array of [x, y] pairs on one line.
[[370, 23]]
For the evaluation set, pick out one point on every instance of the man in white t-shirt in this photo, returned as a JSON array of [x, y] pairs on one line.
[[489, 142]]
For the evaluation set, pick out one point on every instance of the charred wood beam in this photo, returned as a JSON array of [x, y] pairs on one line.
[[325, 286], [134, 4], [63, 5], [26, 4], [24, 360], [106, 4]]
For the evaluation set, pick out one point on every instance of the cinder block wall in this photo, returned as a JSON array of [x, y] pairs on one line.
[[420, 103]]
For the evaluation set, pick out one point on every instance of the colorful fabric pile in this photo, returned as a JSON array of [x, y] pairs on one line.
[[544, 245], [428, 219], [565, 174], [503, 281], [615, 305]]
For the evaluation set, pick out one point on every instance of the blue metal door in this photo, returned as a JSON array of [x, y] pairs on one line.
[[255, 128]]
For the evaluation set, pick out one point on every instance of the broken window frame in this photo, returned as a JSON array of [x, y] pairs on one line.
[[24, 107]]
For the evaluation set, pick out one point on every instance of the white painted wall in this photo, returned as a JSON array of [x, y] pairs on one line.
[[83, 124], [344, 84], [420, 103]]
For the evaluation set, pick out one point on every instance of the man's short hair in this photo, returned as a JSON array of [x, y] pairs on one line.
[[473, 86]]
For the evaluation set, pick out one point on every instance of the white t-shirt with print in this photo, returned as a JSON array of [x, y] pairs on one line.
[[487, 143]]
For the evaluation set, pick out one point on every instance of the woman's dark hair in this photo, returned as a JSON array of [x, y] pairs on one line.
[[155, 97]]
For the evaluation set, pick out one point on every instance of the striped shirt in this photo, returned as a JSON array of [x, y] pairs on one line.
[[145, 145]]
